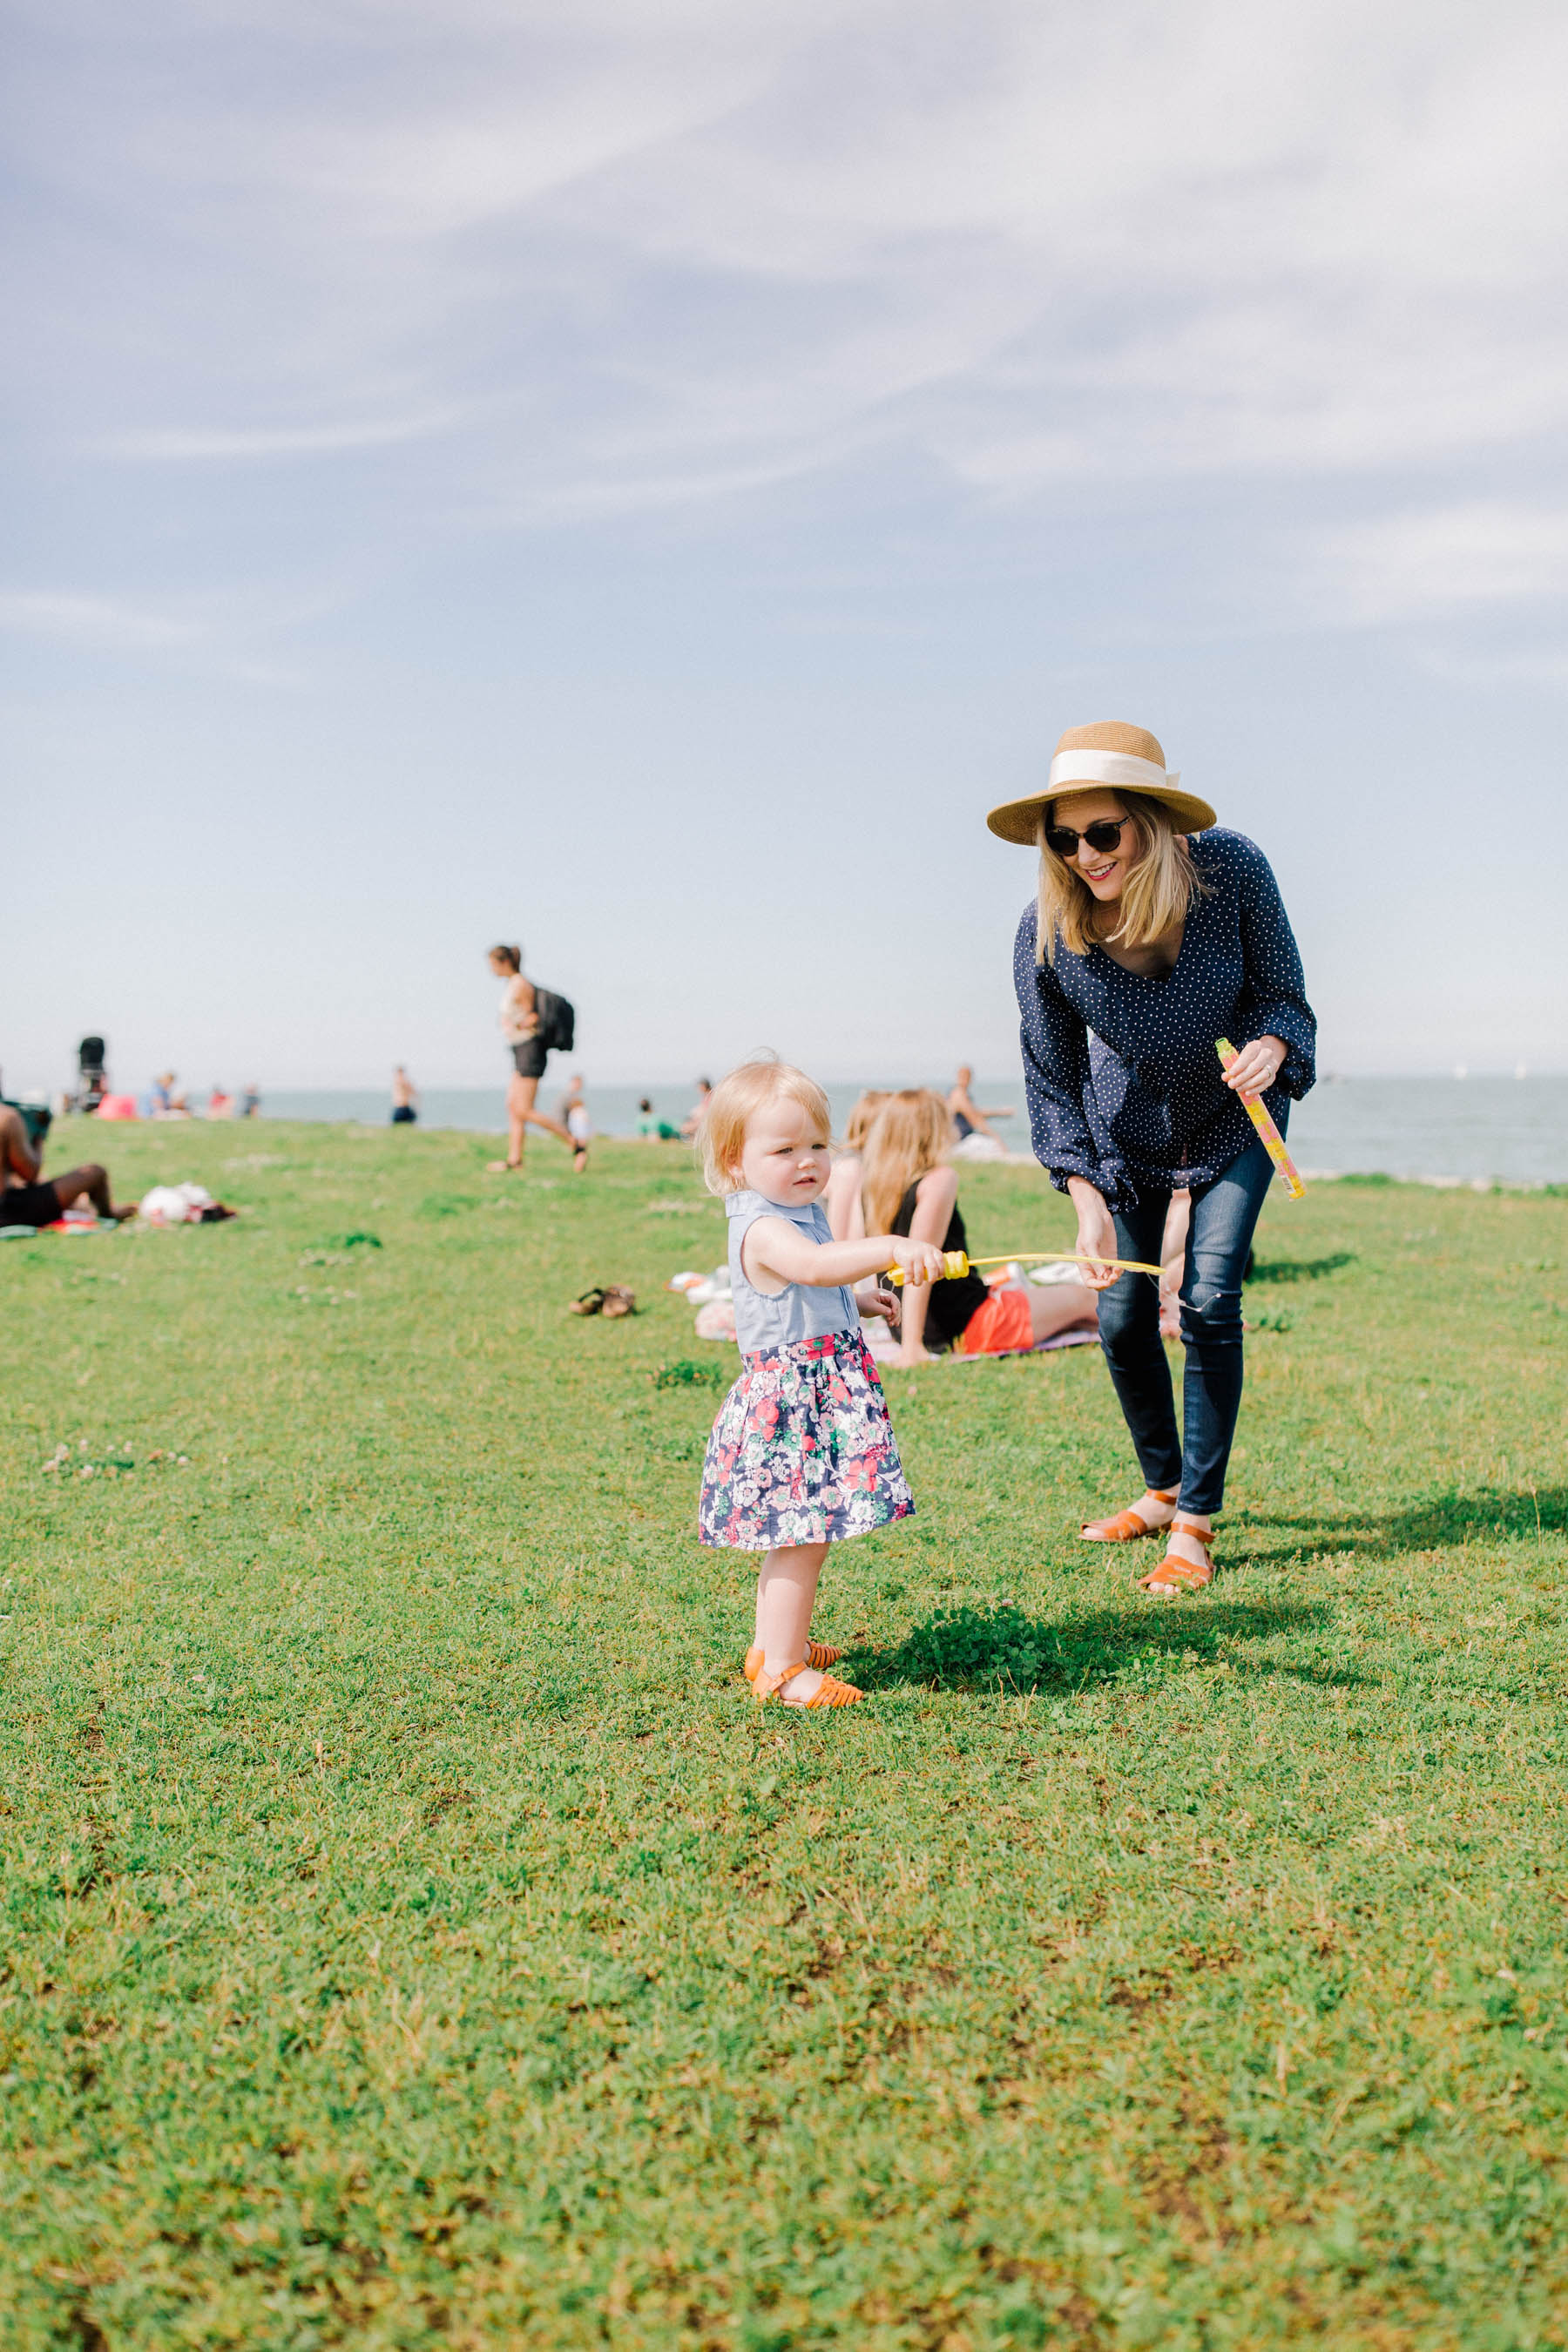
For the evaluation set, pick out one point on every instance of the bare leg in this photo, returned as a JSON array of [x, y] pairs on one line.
[[89, 1182], [1061, 1307], [521, 1096], [786, 1595]]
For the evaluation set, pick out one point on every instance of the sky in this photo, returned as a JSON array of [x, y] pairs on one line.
[[642, 480]]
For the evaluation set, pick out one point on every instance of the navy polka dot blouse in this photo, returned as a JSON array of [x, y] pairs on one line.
[[1119, 1069]]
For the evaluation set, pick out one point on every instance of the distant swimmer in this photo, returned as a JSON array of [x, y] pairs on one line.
[[405, 1098]]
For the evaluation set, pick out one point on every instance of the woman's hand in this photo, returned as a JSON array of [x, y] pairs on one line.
[[1256, 1065], [884, 1303], [919, 1261], [1096, 1234]]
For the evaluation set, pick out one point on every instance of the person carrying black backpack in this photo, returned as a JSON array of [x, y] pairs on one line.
[[535, 1022]]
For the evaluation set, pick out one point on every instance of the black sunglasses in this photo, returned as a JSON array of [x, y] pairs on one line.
[[1104, 835]]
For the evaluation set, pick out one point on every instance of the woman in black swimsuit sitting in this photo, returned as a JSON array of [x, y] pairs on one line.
[[907, 1187]]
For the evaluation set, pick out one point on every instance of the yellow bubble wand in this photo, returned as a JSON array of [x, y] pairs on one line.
[[1273, 1141], [957, 1263]]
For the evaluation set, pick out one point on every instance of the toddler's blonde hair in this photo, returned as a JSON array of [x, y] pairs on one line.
[[736, 1100], [912, 1135]]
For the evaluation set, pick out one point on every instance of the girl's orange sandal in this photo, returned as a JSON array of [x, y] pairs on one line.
[[818, 1655], [1126, 1526], [831, 1693], [1176, 1574]]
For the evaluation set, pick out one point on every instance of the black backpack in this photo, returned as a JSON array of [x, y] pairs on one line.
[[557, 1021]]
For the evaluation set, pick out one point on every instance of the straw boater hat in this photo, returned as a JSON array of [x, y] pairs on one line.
[[1111, 753]]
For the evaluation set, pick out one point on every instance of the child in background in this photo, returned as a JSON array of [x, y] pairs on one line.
[[802, 1454], [908, 1185], [842, 1198]]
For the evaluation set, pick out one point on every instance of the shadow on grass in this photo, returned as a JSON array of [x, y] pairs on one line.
[[1430, 1524], [1299, 1269], [1001, 1647]]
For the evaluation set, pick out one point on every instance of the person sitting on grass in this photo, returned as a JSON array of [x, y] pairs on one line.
[[967, 1115], [27, 1199], [694, 1117], [907, 1187], [842, 1198], [802, 1453], [651, 1129]]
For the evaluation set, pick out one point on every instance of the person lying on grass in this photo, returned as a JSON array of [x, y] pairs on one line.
[[26, 1201], [802, 1453]]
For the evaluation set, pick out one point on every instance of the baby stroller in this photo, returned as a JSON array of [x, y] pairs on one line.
[[93, 1083]]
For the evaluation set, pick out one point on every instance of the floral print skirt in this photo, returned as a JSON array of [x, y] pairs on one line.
[[803, 1451]]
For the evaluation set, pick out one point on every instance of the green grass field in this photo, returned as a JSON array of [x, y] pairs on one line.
[[415, 1935]]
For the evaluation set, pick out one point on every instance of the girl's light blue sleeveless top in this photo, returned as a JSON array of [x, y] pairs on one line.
[[763, 1325]]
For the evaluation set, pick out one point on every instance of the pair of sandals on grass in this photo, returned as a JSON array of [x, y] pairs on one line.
[[610, 1299]]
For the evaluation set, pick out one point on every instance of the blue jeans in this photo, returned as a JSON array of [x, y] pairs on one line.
[[1218, 1238]]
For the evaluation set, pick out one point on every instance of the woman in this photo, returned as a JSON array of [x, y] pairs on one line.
[[28, 1197], [845, 1217], [907, 1188], [519, 1027], [1150, 937]]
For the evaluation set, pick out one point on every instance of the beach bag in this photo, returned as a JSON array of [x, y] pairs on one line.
[[557, 1027]]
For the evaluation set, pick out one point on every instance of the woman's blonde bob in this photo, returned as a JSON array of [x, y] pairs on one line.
[[735, 1102], [1160, 884], [913, 1133]]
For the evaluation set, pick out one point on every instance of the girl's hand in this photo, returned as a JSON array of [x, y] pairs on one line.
[[884, 1303], [921, 1261], [1096, 1236], [1256, 1067]]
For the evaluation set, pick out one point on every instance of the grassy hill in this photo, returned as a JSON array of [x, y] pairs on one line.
[[415, 1936]]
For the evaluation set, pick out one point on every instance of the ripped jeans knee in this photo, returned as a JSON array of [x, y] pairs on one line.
[[1210, 1313]]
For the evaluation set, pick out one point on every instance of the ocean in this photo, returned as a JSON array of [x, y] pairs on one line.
[[1476, 1130]]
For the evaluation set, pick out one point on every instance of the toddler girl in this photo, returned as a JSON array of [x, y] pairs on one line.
[[802, 1453]]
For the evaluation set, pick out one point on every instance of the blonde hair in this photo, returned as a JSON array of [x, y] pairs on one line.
[[1161, 883], [735, 1102], [862, 1119], [912, 1135]]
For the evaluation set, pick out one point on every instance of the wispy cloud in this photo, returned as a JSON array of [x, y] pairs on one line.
[[177, 445], [543, 263], [1412, 565], [97, 622]]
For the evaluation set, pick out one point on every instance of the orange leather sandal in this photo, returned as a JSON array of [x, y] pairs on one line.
[[818, 1655], [1126, 1526], [833, 1693], [1176, 1574]]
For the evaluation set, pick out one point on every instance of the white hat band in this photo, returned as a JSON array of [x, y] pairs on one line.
[[1111, 768]]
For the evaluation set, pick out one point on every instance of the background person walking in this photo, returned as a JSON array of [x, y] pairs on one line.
[[1145, 944], [520, 1026]]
